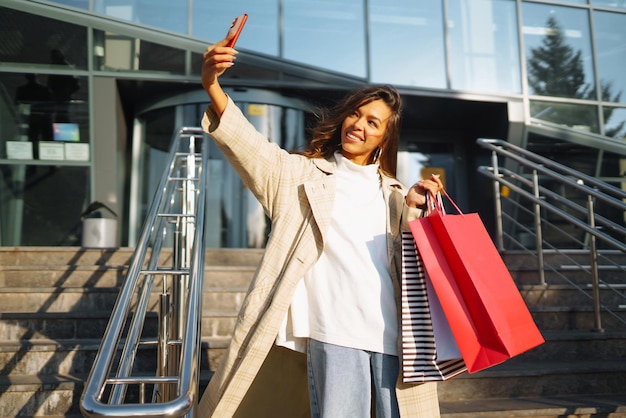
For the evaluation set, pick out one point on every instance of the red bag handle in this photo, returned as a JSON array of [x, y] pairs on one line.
[[435, 203]]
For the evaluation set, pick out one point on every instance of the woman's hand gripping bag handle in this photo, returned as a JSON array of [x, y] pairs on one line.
[[486, 312]]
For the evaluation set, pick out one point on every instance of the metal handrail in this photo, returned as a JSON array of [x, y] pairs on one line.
[[522, 175], [176, 218]]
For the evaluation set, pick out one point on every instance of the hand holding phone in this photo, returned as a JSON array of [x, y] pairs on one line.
[[235, 28]]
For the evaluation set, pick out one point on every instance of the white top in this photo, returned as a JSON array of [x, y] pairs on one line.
[[347, 298]]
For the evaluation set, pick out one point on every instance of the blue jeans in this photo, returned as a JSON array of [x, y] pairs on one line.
[[341, 381]]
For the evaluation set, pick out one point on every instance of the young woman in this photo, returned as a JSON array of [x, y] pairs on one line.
[[328, 283]]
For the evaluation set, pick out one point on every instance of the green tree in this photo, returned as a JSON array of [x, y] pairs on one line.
[[556, 69]]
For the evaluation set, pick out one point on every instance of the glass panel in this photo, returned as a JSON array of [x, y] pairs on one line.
[[122, 53], [165, 14], [41, 205], [79, 4], [196, 63], [406, 43], [45, 41], [621, 4], [611, 52], [155, 57], [558, 51], [615, 122], [484, 46], [43, 117], [326, 33], [211, 20], [582, 117]]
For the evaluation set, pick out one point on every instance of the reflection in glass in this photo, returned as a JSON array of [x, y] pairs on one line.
[[484, 46], [577, 116], [79, 4], [327, 33], [558, 51], [122, 53], [156, 57], [406, 43], [164, 14], [41, 205], [615, 122], [30, 39], [610, 3], [610, 40], [211, 20]]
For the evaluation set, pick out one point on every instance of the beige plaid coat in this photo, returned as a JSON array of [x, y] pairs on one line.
[[297, 194]]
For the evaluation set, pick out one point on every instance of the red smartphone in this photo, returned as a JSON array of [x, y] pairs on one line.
[[236, 29]]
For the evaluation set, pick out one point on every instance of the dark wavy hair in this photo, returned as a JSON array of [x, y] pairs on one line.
[[326, 135]]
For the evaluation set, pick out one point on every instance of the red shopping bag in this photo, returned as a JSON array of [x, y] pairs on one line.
[[486, 312]]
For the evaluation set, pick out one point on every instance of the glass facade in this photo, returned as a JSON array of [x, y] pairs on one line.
[[441, 44], [562, 61]]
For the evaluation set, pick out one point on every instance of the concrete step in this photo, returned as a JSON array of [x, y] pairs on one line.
[[53, 314], [575, 345], [99, 299], [46, 276], [571, 264], [576, 317], [16, 326], [40, 395], [42, 276], [572, 406], [92, 324], [516, 259], [568, 295], [564, 274], [46, 378], [59, 256], [57, 299], [76, 356], [514, 379]]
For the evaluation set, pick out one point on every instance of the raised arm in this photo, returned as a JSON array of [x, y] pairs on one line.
[[216, 60]]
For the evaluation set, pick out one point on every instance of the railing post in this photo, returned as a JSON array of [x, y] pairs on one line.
[[163, 340], [538, 231], [595, 280], [498, 202]]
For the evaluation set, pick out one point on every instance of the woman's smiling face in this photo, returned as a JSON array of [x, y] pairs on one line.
[[364, 131]]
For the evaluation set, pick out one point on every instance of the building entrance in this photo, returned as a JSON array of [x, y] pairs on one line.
[[430, 144]]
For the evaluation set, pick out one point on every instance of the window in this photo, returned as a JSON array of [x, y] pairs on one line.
[[122, 53], [326, 33], [407, 45], [558, 51], [47, 42], [577, 116], [610, 3], [164, 14], [610, 40], [615, 122], [211, 20], [79, 4], [484, 46]]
